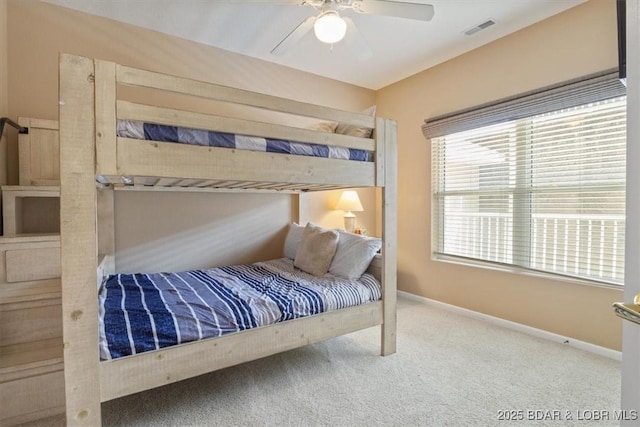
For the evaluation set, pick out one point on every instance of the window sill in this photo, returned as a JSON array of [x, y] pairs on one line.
[[523, 271]]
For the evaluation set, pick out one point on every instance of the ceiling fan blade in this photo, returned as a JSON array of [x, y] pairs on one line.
[[355, 42], [423, 12], [294, 36]]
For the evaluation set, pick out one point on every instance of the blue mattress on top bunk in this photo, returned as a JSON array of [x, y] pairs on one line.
[[164, 133], [142, 312]]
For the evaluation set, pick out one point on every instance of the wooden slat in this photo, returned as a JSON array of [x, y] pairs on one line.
[[128, 375], [148, 158], [390, 239], [222, 184], [148, 113], [217, 186], [205, 183], [241, 185], [195, 189], [167, 181], [78, 240], [105, 114], [136, 77], [188, 183], [144, 180]]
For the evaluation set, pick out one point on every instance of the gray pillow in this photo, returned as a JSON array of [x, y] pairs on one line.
[[291, 242], [354, 254], [316, 250]]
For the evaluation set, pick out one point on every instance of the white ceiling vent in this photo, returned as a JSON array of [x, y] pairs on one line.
[[480, 27]]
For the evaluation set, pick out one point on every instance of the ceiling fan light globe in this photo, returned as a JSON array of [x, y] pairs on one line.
[[330, 28]]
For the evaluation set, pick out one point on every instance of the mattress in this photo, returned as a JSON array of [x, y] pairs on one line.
[[164, 133], [142, 312]]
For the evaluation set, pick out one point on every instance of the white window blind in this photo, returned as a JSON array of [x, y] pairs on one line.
[[544, 192]]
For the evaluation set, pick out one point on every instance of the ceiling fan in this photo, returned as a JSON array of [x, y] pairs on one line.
[[330, 27]]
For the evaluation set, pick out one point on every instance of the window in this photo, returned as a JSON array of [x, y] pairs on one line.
[[544, 192]]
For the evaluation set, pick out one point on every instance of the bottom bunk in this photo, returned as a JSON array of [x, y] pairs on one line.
[[158, 328], [132, 374]]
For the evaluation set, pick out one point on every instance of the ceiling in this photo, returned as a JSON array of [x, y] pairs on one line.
[[399, 47]]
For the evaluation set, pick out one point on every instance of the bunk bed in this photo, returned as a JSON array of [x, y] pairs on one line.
[[94, 160]]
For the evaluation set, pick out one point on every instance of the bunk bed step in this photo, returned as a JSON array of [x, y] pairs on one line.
[[30, 289], [31, 381], [28, 359], [30, 209], [30, 293], [30, 321], [31, 362]]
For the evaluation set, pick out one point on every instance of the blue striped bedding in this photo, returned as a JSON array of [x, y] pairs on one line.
[[142, 312], [164, 133]]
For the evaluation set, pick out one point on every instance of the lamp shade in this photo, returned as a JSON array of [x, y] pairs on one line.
[[349, 201], [329, 27]]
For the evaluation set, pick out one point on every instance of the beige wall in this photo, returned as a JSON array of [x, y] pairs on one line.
[[4, 101], [189, 238], [169, 230], [577, 42], [320, 208], [4, 96]]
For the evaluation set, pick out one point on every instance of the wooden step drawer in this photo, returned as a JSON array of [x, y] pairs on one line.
[[31, 381], [30, 304], [32, 398], [29, 321], [29, 258]]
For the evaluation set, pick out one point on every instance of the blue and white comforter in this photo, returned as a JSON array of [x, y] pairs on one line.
[[164, 133], [142, 312]]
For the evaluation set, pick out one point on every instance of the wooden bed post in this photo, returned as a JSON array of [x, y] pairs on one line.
[[390, 238], [78, 240]]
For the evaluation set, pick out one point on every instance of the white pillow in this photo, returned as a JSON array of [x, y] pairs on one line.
[[354, 254], [316, 250], [293, 239]]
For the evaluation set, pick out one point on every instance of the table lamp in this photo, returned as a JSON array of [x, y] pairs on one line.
[[350, 202]]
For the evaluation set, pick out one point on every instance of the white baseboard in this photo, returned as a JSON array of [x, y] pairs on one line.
[[529, 330]]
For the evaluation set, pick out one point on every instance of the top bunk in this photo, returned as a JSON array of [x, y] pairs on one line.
[[230, 138]]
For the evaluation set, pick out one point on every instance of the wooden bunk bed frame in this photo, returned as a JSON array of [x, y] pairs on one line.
[[93, 160]]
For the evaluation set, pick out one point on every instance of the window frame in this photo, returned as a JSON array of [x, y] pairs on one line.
[[589, 89]]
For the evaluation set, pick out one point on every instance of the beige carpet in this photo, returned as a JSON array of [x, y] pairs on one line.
[[450, 370]]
